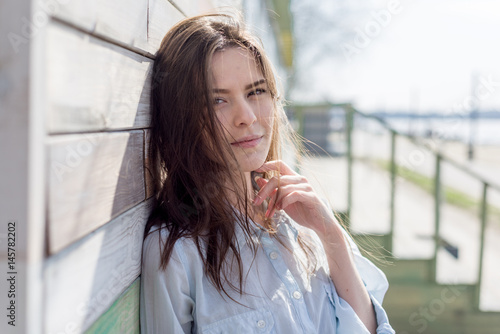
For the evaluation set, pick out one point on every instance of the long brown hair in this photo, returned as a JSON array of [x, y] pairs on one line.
[[189, 154]]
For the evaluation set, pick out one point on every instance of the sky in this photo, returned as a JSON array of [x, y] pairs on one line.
[[398, 55]]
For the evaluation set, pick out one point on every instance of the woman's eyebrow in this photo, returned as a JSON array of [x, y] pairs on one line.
[[254, 84]]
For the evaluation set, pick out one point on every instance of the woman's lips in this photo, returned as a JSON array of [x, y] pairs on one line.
[[248, 142]]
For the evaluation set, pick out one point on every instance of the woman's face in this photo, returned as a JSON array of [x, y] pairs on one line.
[[243, 105]]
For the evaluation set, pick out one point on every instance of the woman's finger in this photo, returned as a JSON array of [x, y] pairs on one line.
[[286, 190], [260, 182], [278, 166], [294, 197], [279, 202], [268, 186]]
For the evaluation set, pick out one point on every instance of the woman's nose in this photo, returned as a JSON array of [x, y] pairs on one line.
[[244, 113]]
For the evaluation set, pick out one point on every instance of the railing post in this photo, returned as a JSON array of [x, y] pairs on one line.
[[349, 127], [390, 236], [483, 216], [437, 216], [299, 152]]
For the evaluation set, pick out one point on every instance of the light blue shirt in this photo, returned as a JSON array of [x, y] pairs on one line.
[[279, 296]]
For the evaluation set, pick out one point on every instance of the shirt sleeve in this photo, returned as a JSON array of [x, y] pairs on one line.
[[376, 285], [165, 304]]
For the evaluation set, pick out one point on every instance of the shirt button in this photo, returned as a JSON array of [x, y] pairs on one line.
[[261, 324], [273, 255], [297, 295]]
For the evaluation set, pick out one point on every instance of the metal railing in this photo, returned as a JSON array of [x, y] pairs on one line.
[[350, 112]]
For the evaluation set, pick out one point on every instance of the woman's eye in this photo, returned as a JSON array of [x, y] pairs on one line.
[[218, 100], [257, 91]]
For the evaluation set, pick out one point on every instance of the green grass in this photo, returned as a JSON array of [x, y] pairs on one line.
[[450, 194]]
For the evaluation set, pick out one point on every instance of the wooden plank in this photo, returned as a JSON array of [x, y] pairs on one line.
[[196, 7], [124, 21], [147, 173], [83, 280], [123, 316], [162, 16], [187, 7], [229, 5], [94, 85], [92, 179]]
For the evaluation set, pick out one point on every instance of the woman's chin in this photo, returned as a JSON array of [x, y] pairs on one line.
[[250, 166]]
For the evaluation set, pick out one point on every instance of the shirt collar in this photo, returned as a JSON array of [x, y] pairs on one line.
[[283, 225]]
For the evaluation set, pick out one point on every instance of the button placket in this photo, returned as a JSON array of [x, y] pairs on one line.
[[290, 284]]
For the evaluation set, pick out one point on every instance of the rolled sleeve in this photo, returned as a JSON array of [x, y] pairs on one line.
[[376, 285], [348, 321]]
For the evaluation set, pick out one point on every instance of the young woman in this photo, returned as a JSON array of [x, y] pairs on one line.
[[238, 242]]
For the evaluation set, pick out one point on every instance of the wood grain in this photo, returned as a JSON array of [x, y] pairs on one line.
[[162, 16], [92, 178], [123, 316], [124, 21], [94, 85], [148, 178], [82, 281], [187, 7]]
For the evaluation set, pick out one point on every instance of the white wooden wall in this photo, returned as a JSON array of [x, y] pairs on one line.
[[74, 95], [21, 170]]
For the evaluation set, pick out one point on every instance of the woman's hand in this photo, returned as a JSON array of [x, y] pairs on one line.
[[293, 193]]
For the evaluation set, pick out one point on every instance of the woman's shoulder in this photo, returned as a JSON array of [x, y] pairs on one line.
[[184, 248]]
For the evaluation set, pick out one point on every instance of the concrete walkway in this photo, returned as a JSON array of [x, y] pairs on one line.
[[414, 225], [486, 162]]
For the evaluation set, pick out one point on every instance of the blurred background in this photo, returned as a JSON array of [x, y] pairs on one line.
[[398, 102]]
